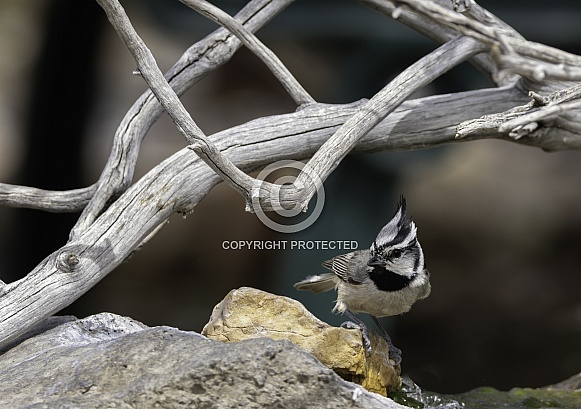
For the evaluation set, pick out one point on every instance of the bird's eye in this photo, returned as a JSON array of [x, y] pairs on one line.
[[395, 253]]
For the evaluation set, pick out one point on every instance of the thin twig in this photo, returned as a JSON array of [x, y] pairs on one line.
[[497, 38], [201, 58], [266, 195], [48, 200], [549, 122], [544, 113], [441, 33], [398, 131], [537, 70], [424, 71], [288, 81], [182, 180]]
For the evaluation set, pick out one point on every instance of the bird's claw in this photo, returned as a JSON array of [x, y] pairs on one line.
[[364, 334], [394, 355], [356, 323]]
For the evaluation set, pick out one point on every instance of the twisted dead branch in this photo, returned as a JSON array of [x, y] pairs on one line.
[[201, 58], [105, 236]]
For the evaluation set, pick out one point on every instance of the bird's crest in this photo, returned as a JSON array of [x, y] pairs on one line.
[[400, 231]]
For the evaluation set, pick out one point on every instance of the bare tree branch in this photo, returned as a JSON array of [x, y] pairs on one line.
[[200, 59], [104, 237], [550, 122], [442, 32], [414, 124], [328, 157], [509, 48], [182, 180], [266, 195], [533, 69], [424, 71], [198, 141], [288, 81], [51, 201]]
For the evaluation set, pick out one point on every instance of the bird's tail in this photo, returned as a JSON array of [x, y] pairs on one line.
[[318, 283]]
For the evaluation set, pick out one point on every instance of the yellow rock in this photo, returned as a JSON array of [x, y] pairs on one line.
[[249, 313]]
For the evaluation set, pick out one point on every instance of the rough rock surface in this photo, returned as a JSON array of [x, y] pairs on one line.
[[248, 313], [107, 361]]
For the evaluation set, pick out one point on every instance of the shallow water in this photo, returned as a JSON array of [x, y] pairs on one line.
[[413, 396], [486, 398]]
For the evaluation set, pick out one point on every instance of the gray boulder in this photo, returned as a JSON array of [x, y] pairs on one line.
[[107, 361]]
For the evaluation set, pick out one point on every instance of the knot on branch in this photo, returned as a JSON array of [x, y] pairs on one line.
[[67, 261]]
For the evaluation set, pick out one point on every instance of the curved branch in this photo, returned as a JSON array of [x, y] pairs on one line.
[[328, 157], [441, 33], [437, 126], [510, 49], [49, 200], [200, 59], [288, 81], [182, 180], [169, 100], [266, 195], [443, 118]]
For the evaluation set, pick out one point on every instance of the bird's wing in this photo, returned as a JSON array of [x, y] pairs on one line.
[[350, 267]]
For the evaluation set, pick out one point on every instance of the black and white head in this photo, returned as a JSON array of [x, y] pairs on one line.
[[397, 259]]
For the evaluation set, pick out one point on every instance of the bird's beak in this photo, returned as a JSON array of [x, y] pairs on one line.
[[375, 261]]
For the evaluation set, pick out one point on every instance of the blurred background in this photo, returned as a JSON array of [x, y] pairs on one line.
[[500, 224]]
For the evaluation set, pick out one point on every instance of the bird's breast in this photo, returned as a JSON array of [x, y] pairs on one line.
[[368, 299]]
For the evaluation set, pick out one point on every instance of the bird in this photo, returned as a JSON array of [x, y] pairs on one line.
[[384, 280]]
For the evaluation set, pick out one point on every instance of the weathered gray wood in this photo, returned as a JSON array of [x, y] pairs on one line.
[[199, 60], [551, 122], [328, 157], [441, 32], [269, 58], [51, 201], [181, 181], [511, 51], [413, 125], [104, 238]]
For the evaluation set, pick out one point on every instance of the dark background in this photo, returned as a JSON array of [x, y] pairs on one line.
[[500, 224]]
